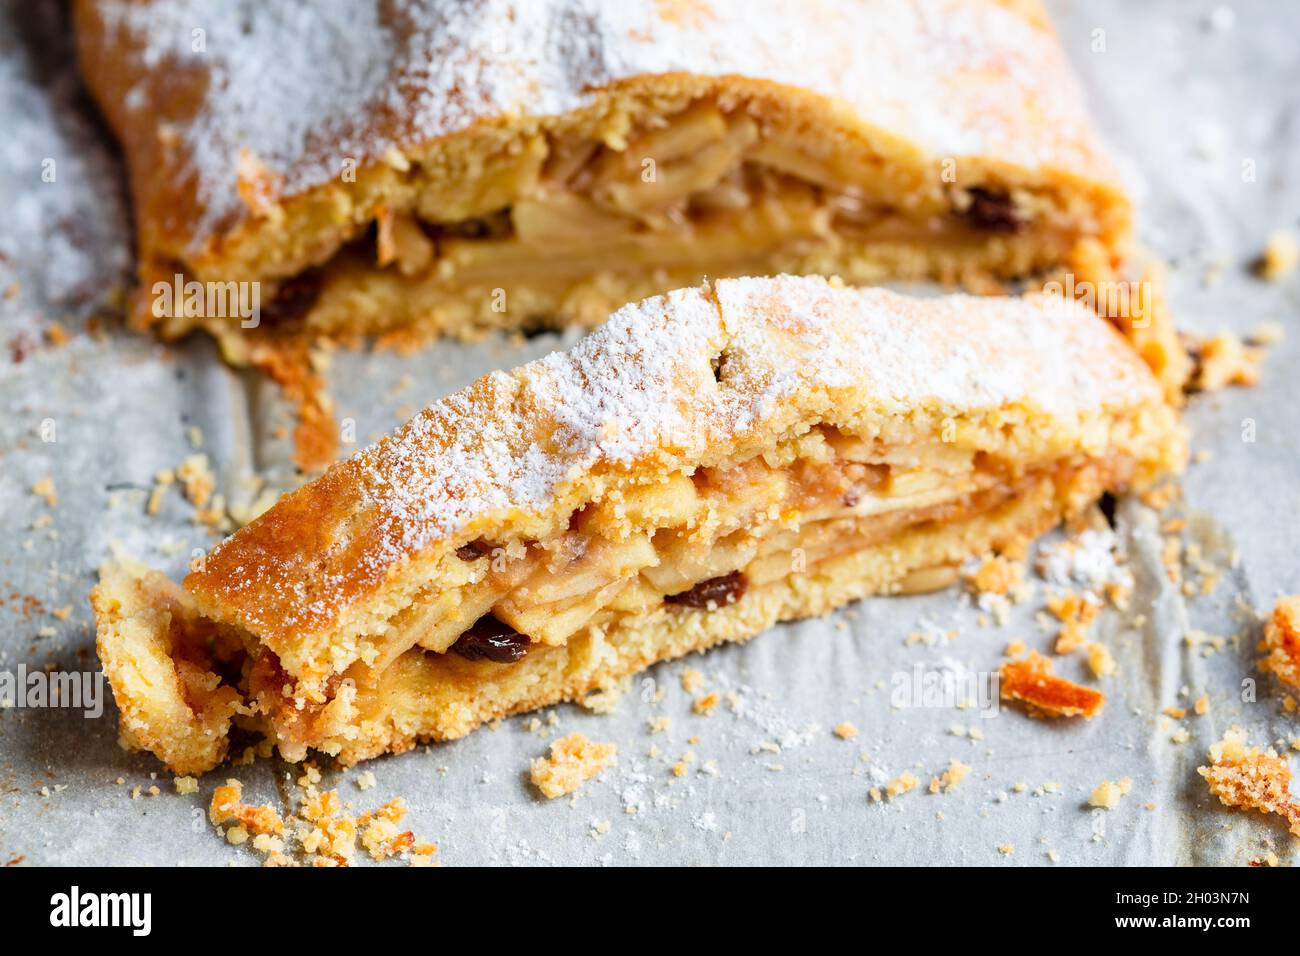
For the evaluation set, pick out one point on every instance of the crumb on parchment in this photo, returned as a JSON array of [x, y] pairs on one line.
[[1250, 778], [1031, 682], [1107, 794], [1280, 257], [1282, 642], [227, 805], [573, 760]]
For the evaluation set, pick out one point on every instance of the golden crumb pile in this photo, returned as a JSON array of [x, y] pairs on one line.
[[997, 575], [947, 781], [1075, 614], [1282, 642], [905, 782], [573, 761], [1248, 778], [326, 835], [1224, 360], [1030, 681], [227, 805]]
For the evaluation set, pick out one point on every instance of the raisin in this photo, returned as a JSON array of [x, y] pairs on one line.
[[714, 592], [491, 639], [294, 298], [474, 550], [1107, 505], [992, 211]]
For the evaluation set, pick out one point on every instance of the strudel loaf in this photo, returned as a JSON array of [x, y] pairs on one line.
[[426, 167], [704, 465]]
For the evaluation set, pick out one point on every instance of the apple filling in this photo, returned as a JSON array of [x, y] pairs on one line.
[[707, 189], [690, 542], [686, 544]]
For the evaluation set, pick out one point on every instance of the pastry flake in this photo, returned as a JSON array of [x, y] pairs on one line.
[[459, 166], [1282, 642], [1251, 778], [1030, 681], [706, 464]]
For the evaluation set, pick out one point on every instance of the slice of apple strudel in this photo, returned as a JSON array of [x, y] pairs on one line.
[[424, 167], [704, 465]]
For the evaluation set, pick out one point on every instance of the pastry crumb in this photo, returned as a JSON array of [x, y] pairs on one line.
[[1076, 614], [1280, 257], [227, 805], [705, 705], [1030, 681], [1282, 641], [692, 680], [905, 782], [947, 781], [997, 575], [1107, 794], [1224, 360], [1250, 778], [44, 488], [573, 760], [1100, 660], [845, 730]]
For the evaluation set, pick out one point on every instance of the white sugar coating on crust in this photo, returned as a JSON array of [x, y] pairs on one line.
[[615, 398], [635, 390], [963, 352], [676, 381], [300, 83]]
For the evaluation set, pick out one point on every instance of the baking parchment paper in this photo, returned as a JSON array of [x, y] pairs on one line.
[[1202, 100]]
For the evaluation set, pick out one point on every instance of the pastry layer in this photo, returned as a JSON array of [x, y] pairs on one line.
[[475, 166], [760, 450]]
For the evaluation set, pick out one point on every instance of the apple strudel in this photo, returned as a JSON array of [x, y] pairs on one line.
[[427, 167], [704, 465]]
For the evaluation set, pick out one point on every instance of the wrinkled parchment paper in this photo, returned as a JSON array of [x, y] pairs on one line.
[[1202, 100]]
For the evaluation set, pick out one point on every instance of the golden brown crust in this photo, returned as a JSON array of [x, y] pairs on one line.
[[154, 649]]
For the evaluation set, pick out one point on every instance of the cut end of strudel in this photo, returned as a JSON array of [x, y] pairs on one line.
[[706, 464], [440, 167]]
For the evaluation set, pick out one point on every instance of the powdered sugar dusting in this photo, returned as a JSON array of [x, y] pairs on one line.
[[1091, 560], [641, 391], [305, 83], [64, 232]]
